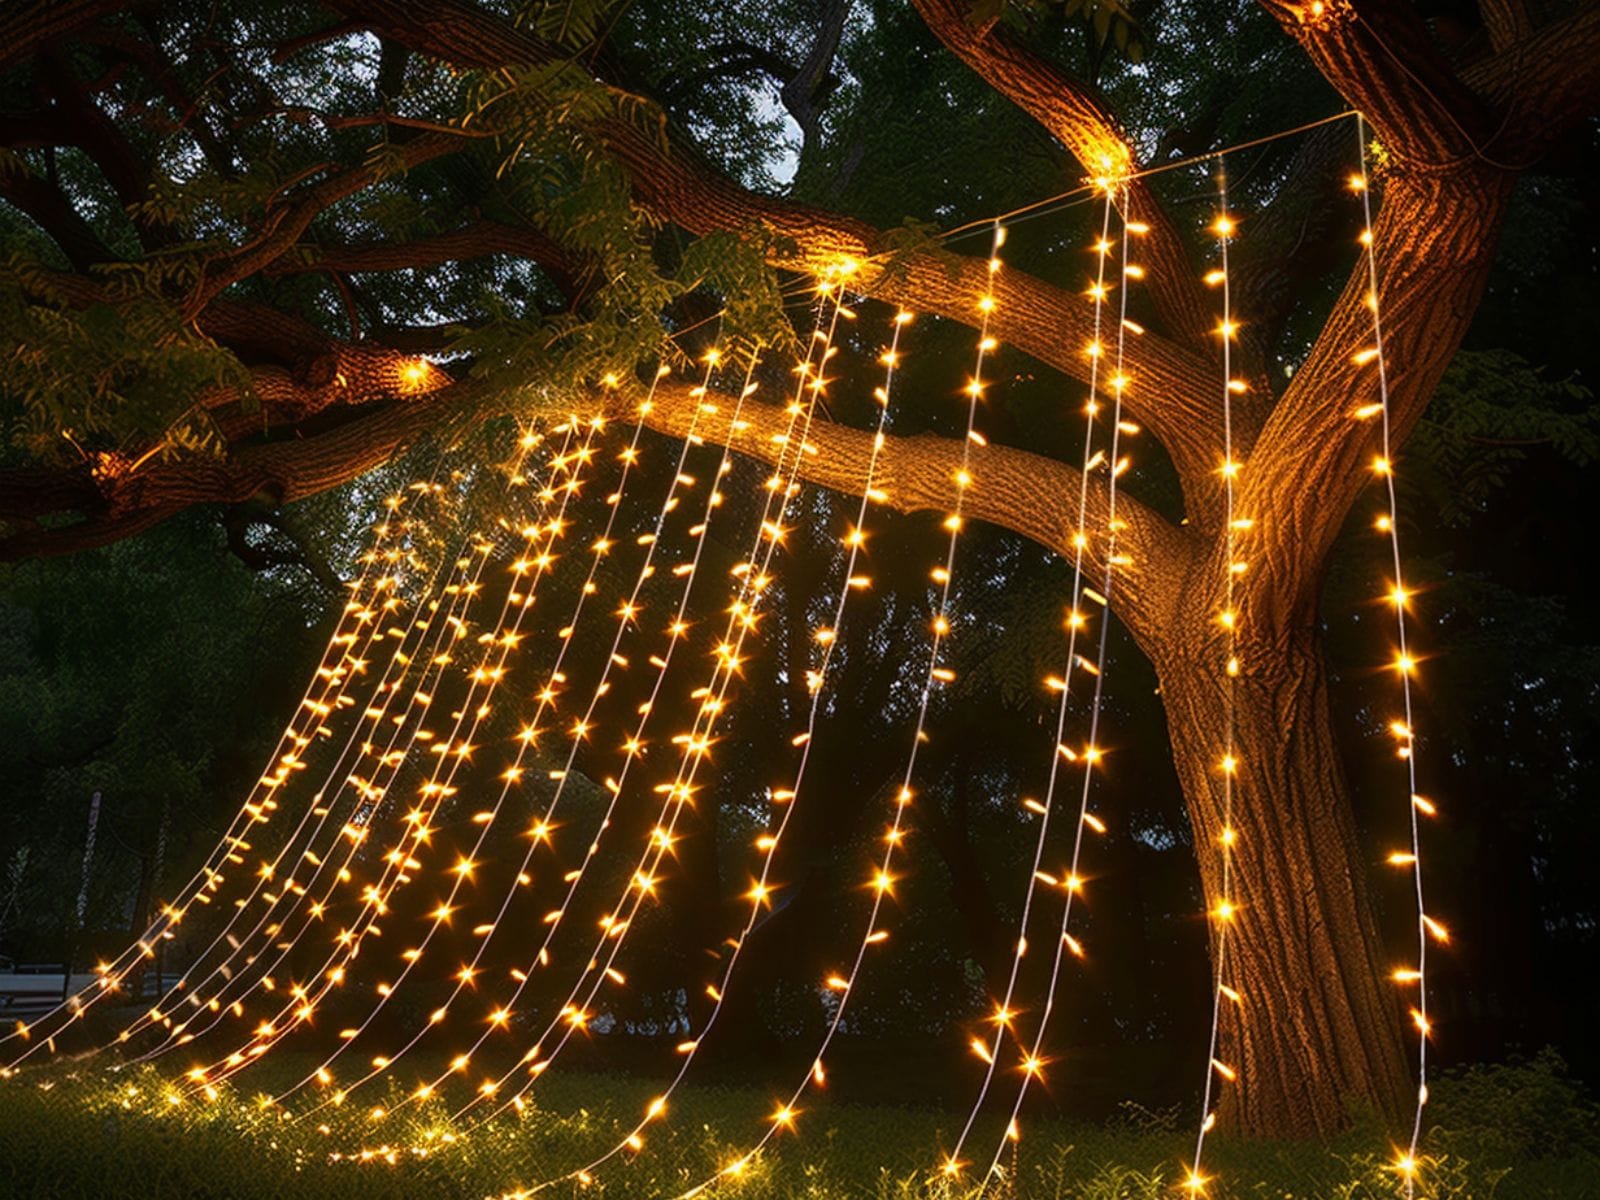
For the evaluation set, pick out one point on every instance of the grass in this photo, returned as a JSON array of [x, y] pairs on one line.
[[1523, 1132]]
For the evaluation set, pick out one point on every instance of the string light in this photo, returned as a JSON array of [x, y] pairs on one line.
[[634, 744], [191, 987], [753, 578], [641, 879], [842, 985], [460, 589], [1032, 1057], [374, 590], [1223, 911], [626, 616], [988, 1049], [509, 778], [786, 800], [453, 750], [1416, 805], [235, 853]]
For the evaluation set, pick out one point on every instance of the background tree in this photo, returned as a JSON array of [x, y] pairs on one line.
[[221, 221]]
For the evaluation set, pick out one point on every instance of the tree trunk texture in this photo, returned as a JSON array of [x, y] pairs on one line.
[[1319, 1026]]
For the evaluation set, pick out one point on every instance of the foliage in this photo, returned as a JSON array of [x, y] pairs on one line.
[[116, 676], [61, 1143], [1489, 409], [118, 373]]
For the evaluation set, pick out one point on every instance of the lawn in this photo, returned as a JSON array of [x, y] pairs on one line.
[[1512, 1133]]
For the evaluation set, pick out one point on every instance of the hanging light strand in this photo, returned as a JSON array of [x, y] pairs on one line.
[[186, 985], [784, 800], [752, 573], [404, 653], [1031, 1060], [485, 821], [372, 592], [483, 681], [1417, 806], [431, 628], [881, 883], [1224, 997], [988, 1049], [542, 828]]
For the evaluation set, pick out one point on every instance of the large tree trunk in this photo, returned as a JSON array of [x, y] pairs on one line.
[[1319, 1025]]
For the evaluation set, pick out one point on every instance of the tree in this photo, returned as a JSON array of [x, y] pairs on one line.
[[211, 299]]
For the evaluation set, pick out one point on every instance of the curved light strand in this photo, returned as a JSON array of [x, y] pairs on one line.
[[1031, 1059], [486, 820], [436, 790], [751, 576], [461, 587], [541, 829], [335, 671], [882, 881]]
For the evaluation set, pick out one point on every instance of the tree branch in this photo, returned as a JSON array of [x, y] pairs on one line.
[[1432, 272], [1082, 123], [1442, 206], [1507, 21], [1026, 493], [1542, 85], [285, 224], [1381, 57], [44, 204], [28, 27], [476, 240], [1178, 404], [279, 471]]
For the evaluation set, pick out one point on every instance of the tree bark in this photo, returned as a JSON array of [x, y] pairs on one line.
[[1319, 1025]]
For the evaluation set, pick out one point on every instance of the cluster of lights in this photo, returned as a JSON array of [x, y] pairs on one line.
[[400, 862], [485, 821], [541, 832], [784, 800], [461, 587], [375, 592], [286, 889], [1031, 1060], [840, 985], [1224, 996], [754, 580]]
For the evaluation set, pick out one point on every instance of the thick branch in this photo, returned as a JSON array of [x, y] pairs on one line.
[[28, 27], [53, 213], [1025, 493], [1507, 21], [1542, 85], [1078, 118], [1435, 237], [285, 225], [804, 89], [1443, 203], [279, 472], [1381, 58], [1177, 403], [470, 241]]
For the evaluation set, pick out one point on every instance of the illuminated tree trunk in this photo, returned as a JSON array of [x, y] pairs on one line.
[[1319, 1023]]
